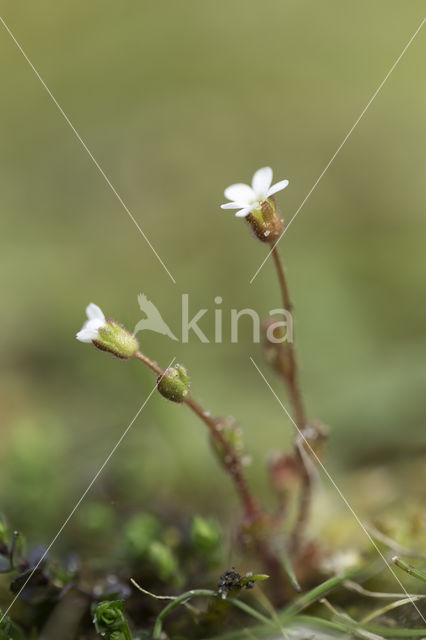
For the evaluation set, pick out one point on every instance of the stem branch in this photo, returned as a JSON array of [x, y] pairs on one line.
[[232, 460]]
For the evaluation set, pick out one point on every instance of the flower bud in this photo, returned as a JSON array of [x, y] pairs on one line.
[[108, 617], [173, 384], [205, 535], [117, 340], [266, 222], [139, 533], [107, 334], [163, 561]]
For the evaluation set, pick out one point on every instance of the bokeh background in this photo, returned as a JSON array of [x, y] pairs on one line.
[[176, 101]]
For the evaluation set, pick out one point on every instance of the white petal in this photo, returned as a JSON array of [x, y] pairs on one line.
[[233, 205], [87, 334], [279, 186], [262, 181], [93, 311], [96, 320], [244, 212], [239, 193]]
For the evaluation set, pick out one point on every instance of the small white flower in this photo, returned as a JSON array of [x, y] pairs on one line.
[[341, 561], [248, 199], [95, 321]]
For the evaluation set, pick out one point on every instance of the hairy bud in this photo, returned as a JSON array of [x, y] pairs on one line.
[[173, 384], [107, 334], [266, 222], [117, 340]]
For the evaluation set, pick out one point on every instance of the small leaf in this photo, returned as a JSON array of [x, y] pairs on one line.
[[253, 577], [288, 568]]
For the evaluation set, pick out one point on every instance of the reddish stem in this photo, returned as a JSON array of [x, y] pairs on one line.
[[232, 460], [291, 379]]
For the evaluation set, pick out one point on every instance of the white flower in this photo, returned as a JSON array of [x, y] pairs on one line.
[[248, 199], [95, 321], [341, 561]]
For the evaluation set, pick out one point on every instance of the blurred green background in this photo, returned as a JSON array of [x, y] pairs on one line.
[[176, 101]]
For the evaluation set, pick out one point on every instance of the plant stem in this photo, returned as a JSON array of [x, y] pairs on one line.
[[184, 597], [291, 378], [408, 568], [233, 466], [188, 595], [232, 461], [305, 501], [150, 363]]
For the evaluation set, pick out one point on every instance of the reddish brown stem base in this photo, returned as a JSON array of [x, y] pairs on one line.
[[291, 379]]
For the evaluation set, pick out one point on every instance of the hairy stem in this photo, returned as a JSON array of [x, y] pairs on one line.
[[150, 363], [232, 460], [233, 466], [291, 378]]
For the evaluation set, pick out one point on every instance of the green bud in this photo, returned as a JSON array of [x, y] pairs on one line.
[[205, 535], [140, 532], [173, 384], [108, 618], [163, 561], [113, 337]]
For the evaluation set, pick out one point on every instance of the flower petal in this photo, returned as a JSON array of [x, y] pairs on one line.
[[239, 193], [233, 205], [93, 311], [262, 181], [86, 334], [279, 186], [90, 330], [244, 212]]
